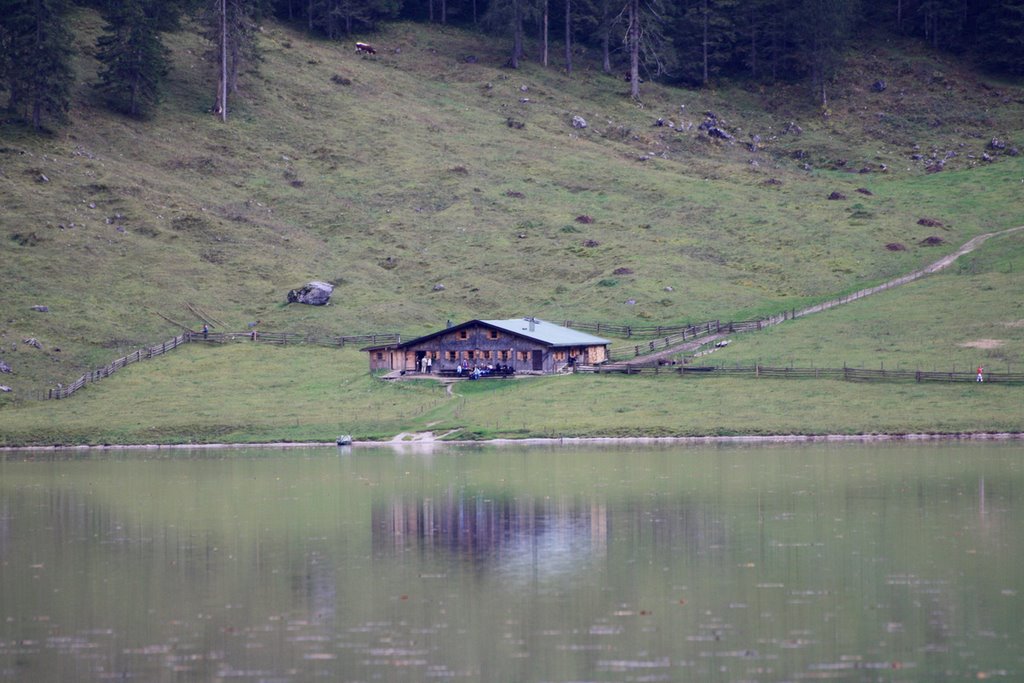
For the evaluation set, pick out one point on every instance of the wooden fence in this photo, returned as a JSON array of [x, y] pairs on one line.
[[844, 373], [281, 338]]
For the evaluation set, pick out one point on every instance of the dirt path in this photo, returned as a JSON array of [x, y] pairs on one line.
[[935, 267]]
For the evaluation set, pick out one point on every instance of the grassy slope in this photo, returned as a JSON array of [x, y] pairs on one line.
[[409, 176]]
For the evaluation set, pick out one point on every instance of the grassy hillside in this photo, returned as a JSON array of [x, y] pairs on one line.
[[390, 175]]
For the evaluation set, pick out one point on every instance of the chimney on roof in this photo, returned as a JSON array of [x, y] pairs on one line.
[[533, 321]]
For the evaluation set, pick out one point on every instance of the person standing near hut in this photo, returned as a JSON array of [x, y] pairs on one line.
[[981, 374], [430, 364]]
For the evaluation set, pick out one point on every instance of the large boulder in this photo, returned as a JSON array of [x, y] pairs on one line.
[[316, 293]]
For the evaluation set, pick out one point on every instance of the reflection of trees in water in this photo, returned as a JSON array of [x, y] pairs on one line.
[[317, 585], [517, 535], [487, 530], [671, 527]]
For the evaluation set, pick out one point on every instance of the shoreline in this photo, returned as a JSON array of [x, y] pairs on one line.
[[426, 440]]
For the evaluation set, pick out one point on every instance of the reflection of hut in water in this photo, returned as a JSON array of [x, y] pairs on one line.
[[485, 529]]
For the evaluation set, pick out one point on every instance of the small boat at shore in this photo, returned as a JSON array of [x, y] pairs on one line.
[[344, 440]]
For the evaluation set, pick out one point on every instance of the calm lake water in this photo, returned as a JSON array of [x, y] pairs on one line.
[[681, 563]]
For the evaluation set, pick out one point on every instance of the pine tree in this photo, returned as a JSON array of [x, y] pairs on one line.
[[1004, 37], [134, 59], [708, 31], [37, 59], [509, 15], [821, 30]]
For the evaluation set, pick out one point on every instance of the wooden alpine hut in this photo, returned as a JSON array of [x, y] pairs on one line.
[[516, 345]]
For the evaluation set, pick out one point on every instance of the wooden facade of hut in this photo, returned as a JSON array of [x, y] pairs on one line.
[[519, 345]]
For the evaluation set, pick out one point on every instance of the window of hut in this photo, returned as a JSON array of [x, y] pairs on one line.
[[463, 334], [492, 334], [380, 355], [469, 355]]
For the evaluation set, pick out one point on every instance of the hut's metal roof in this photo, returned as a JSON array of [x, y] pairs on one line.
[[546, 333]]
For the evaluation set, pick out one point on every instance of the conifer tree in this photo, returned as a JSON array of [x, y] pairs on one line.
[[37, 58], [134, 59], [1004, 40], [821, 30]]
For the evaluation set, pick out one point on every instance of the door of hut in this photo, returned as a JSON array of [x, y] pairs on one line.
[[538, 360]]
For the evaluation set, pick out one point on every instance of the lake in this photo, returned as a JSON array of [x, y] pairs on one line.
[[846, 562]]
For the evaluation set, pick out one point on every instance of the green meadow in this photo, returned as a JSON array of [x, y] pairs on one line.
[[426, 188]]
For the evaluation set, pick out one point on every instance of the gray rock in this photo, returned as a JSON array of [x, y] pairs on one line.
[[996, 143], [5, 389], [879, 86], [716, 132], [578, 121], [438, 287], [33, 342], [4, 367], [316, 293], [41, 309]]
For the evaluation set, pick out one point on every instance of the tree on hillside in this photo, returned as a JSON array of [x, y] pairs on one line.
[[1004, 48], [341, 17], [646, 42], [37, 58], [231, 25], [133, 56], [568, 36], [708, 31], [509, 15], [544, 14], [821, 30], [604, 29]]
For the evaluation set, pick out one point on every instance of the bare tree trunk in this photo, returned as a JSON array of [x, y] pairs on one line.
[[544, 34], [704, 40], [633, 33], [517, 31], [753, 49], [568, 36], [222, 91], [606, 39]]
